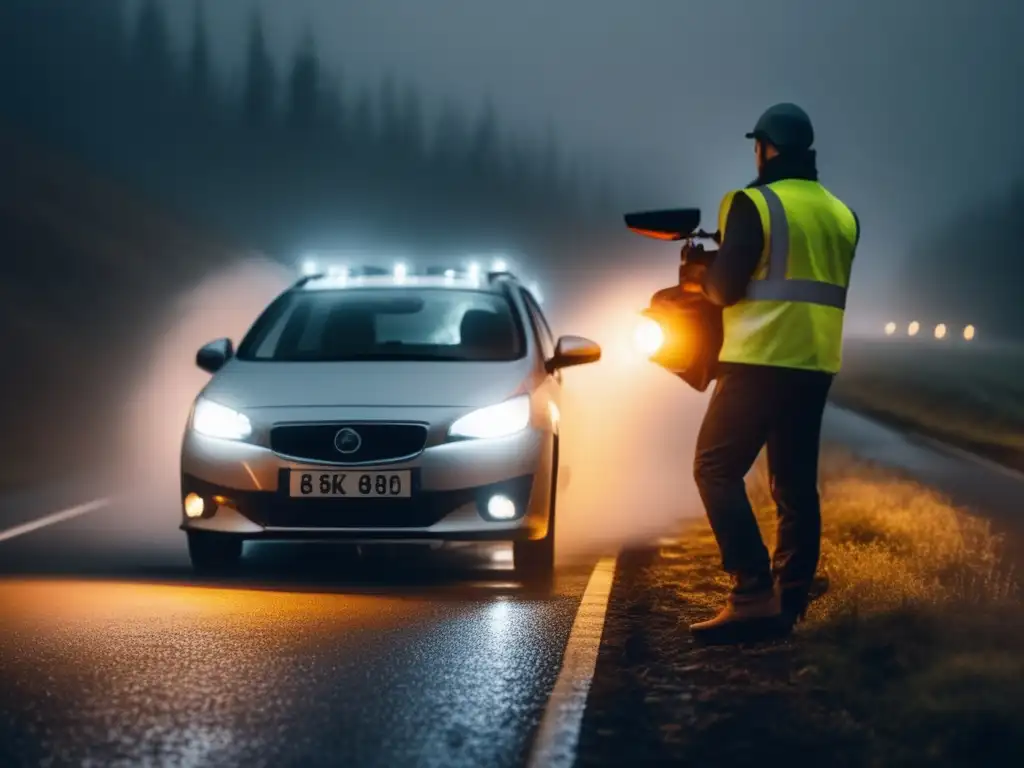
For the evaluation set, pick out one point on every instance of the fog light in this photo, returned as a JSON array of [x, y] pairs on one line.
[[501, 508], [194, 505]]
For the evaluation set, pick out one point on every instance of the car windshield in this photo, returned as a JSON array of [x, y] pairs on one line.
[[386, 324]]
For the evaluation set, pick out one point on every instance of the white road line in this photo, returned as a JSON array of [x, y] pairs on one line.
[[559, 731], [56, 517]]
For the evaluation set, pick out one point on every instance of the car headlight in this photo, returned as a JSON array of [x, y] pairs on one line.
[[216, 420], [499, 420]]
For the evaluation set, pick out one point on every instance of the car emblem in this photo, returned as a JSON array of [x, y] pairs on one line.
[[347, 440]]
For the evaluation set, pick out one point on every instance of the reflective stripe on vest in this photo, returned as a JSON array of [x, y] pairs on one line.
[[775, 286]]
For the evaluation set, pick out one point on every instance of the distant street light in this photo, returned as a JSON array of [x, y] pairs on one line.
[[940, 331], [968, 333], [890, 329], [913, 328]]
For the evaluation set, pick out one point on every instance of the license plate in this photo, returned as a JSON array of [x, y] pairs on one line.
[[350, 485]]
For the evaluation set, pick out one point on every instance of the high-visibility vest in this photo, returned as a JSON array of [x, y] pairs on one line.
[[792, 314]]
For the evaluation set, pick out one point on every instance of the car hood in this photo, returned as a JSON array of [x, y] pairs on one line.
[[243, 384]]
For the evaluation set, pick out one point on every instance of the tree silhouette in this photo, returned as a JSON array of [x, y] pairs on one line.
[[410, 120], [362, 124], [359, 159], [484, 147], [200, 78], [151, 59], [259, 99], [551, 162], [450, 138], [304, 87], [388, 114]]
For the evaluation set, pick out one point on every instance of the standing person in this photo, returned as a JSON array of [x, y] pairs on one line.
[[781, 276]]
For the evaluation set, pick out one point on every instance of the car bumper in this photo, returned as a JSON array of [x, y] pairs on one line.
[[245, 490]]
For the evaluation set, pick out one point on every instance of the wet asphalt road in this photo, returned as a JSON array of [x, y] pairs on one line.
[[111, 654]]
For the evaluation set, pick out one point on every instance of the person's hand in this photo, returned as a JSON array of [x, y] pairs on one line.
[[691, 279]]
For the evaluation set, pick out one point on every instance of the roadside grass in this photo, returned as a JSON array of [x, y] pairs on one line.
[[913, 657], [971, 396]]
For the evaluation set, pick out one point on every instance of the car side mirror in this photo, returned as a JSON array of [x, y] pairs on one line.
[[212, 357], [573, 350]]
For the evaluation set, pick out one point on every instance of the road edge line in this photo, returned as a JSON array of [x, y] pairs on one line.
[[558, 734], [55, 517]]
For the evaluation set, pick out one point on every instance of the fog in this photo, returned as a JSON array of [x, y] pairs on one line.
[[914, 101], [429, 127], [145, 470], [616, 489]]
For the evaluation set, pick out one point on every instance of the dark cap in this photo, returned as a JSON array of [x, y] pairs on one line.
[[786, 126]]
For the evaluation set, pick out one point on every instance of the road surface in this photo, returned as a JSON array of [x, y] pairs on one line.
[[111, 654]]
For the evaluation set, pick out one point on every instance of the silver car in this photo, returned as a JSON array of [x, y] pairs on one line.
[[381, 409]]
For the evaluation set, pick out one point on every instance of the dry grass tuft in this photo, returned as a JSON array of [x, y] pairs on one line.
[[889, 542]]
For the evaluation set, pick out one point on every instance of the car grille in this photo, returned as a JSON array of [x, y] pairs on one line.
[[376, 441]]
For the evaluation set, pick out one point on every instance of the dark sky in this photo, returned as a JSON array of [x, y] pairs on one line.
[[916, 102]]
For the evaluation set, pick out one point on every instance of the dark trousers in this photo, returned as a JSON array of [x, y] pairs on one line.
[[755, 406]]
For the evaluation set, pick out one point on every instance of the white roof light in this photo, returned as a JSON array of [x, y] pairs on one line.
[[499, 265], [401, 271], [309, 267]]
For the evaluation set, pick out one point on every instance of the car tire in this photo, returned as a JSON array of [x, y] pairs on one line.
[[212, 552], [534, 561]]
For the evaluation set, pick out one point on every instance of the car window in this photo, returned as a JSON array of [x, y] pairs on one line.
[[540, 325], [386, 324]]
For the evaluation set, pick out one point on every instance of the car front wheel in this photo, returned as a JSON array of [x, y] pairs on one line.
[[212, 552], [534, 561]]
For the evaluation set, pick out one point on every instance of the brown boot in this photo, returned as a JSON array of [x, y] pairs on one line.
[[752, 613]]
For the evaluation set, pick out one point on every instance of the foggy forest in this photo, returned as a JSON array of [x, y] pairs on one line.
[[286, 157]]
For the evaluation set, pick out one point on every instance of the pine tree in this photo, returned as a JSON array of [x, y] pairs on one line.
[[152, 64], [551, 162], [450, 139], [411, 123], [259, 99], [484, 144], [362, 125], [304, 86], [199, 76], [389, 120]]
